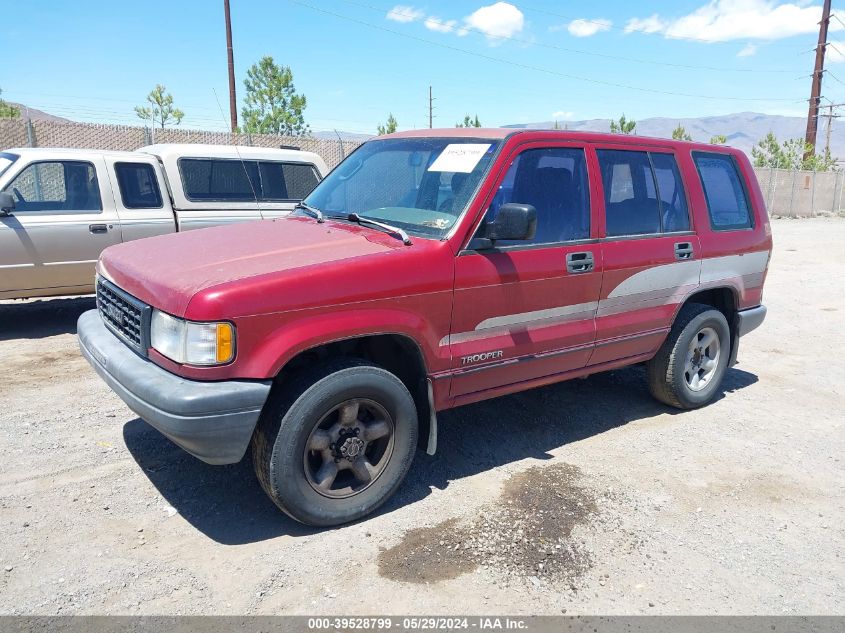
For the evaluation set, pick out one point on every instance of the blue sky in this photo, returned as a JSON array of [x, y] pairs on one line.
[[358, 60]]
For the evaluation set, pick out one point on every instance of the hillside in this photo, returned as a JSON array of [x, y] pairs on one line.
[[743, 129]]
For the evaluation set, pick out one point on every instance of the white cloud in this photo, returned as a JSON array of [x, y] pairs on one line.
[[403, 13], [651, 24], [586, 28], [562, 114], [440, 26], [496, 20], [726, 20], [748, 50]]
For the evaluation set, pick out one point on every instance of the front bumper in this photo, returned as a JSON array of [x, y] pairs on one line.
[[212, 421]]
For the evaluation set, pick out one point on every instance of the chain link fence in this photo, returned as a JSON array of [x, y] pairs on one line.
[[801, 194], [787, 193], [30, 133]]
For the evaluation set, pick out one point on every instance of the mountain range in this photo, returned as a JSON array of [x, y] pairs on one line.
[[743, 129]]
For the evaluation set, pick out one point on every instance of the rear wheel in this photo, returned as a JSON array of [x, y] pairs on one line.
[[688, 369], [336, 442]]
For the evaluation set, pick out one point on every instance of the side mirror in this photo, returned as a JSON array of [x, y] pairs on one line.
[[7, 202], [513, 222]]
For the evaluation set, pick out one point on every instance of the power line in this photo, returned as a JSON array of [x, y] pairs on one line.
[[635, 60], [524, 66]]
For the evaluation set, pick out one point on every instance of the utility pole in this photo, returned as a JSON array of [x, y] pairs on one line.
[[430, 109], [816, 91], [233, 102], [830, 116]]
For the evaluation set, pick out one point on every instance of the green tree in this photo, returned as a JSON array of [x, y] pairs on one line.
[[469, 122], [556, 126], [623, 126], [8, 111], [680, 134], [161, 109], [389, 127], [271, 105], [718, 139], [769, 152]]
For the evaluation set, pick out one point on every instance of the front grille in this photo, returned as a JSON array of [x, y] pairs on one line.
[[124, 315]]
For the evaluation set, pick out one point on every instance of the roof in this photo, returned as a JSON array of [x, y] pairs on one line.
[[569, 135], [196, 150], [67, 151]]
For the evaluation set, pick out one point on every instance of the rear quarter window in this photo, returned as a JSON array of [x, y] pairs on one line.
[[138, 186], [724, 189]]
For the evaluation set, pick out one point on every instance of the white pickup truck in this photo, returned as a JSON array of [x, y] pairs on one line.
[[59, 208]]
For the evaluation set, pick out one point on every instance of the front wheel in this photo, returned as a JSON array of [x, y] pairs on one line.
[[336, 442], [688, 369]]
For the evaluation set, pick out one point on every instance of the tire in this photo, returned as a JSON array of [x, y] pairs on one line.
[[310, 424], [679, 377]]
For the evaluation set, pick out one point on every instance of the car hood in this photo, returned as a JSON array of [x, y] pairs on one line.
[[167, 271]]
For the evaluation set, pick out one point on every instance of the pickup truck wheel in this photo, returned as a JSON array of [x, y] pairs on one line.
[[336, 442], [688, 369]]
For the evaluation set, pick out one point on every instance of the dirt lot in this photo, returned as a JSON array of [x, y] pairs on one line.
[[585, 497]]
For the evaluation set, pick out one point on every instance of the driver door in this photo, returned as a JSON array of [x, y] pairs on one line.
[[526, 309], [62, 221]]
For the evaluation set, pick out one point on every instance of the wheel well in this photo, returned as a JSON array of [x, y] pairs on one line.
[[396, 353], [723, 299]]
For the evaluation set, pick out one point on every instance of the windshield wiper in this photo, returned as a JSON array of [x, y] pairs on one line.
[[313, 211], [387, 228]]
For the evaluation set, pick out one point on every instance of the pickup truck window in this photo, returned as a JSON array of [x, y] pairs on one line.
[[554, 181], [286, 181], [422, 185], [235, 180], [727, 200], [138, 186], [56, 186]]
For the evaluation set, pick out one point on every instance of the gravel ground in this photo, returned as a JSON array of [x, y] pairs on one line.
[[585, 497]]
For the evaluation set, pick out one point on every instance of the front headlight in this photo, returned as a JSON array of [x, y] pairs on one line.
[[191, 343]]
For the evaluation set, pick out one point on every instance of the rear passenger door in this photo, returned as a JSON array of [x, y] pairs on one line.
[[64, 217], [650, 253], [525, 309], [142, 205]]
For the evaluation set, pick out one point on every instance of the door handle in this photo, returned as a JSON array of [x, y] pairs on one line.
[[580, 262], [98, 228], [683, 250]]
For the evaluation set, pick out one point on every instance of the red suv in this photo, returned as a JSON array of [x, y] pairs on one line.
[[431, 269]]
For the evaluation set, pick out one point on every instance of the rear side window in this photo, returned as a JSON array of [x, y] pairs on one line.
[[286, 181], [630, 193], [246, 181], [138, 186], [673, 200], [643, 193], [727, 200], [227, 180]]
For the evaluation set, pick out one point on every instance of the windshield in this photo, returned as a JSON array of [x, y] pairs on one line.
[[6, 159], [422, 185]]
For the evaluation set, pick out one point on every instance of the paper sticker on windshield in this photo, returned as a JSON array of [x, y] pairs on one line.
[[459, 157]]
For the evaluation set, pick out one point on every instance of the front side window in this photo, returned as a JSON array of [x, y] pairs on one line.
[[727, 202], [554, 181], [421, 185], [138, 186], [56, 186]]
